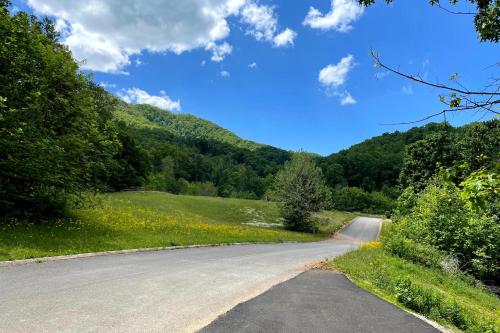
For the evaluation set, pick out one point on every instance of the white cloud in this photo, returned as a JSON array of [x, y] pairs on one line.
[[286, 37], [381, 75], [336, 75], [107, 85], [263, 25], [347, 99], [340, 17], [139, 96], [408, 89], [225, 74], [219, 52], [252, 65], [261, 19], [106, 34]]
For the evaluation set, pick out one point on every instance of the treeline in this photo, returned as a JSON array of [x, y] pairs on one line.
[[202, 167]]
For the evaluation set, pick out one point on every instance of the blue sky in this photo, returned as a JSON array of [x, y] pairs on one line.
[[280, 99]]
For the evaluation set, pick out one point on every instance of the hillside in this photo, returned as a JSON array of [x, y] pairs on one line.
[[374, 162], [182, 125]]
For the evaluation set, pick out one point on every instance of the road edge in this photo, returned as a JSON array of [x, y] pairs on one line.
[[39, 260]]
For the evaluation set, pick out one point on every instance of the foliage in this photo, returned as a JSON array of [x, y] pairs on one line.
[[399, 245], [441, 218], [481, 190], [51, 136], [356, 200], [181, 125], [451, 299], [424, 157], [301, 191], [375, 163], [486, 18]]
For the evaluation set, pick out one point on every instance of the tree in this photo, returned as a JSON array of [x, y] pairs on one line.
[[301, 190], [423, 158], [47, 121]]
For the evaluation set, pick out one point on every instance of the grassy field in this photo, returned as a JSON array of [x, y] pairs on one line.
[[130, 220], [453, 300]]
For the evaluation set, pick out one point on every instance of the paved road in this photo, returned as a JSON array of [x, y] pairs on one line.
[[317, 301], [167, 291]]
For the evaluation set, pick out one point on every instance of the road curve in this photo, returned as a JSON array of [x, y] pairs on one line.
[[167, 291]]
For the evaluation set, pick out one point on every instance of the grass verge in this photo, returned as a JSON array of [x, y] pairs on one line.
[[454, 300], [131, 220]]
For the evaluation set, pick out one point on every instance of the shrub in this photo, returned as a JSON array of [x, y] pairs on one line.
[[418, 253], [441, 218], [356, 199]]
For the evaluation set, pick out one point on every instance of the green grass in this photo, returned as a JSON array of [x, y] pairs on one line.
[[453, 300], [152, 219]]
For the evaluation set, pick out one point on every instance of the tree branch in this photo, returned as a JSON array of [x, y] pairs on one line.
[[418, 79]]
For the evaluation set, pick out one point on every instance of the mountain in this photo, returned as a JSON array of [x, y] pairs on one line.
[[372, 163], [181, 125]]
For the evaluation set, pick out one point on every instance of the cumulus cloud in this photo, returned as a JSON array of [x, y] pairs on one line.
[[334, 76], [139, 96], [263, 25], [106, 34], [340, 17], [286, 37], [219, 52], [347, 99], [107, 85], [225, 74], [252, 65]]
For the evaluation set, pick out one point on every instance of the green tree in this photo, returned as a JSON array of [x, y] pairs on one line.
[[301, 190], [424, 158], [55, 131]]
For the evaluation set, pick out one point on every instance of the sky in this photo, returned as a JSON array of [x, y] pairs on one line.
[[292, 74]]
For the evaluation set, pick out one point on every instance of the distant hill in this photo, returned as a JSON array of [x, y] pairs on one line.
[[372, 163], [182, 125]]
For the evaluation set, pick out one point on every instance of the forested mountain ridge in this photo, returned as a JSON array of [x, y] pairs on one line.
[[182, 125], [373, 163]]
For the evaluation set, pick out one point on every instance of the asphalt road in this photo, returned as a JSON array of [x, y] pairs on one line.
[[167, 291], [317, 301]]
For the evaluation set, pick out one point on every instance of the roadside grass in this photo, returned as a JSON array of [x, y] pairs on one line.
[[129, 220], [454, 300], [329, 222]]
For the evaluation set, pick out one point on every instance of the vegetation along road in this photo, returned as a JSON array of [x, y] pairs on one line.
[[174, 291]]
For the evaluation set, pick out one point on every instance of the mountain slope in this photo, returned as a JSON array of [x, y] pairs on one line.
[[372, 163], [182, 125]]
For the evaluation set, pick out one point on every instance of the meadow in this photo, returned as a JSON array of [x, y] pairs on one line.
[[128, 220]]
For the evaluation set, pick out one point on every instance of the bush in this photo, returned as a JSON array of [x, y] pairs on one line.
[[408, 249], [355, 199], [441, 218]]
